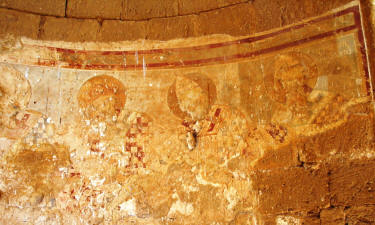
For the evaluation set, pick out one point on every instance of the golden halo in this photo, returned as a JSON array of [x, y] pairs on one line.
[[205, 83], [99, 87], [285, 61]]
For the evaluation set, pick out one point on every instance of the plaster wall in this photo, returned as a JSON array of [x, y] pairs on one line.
[[275, 127]]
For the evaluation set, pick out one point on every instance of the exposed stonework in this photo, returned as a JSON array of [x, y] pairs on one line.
[[19, 24], [66, 29], [181, 18], [136, 10], [269, 129], [94, 9], [42, 7]]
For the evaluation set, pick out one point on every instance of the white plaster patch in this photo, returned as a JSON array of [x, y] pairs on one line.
[[231, 196], [189, 188], [225, 163], [184, 208], [129, 207], [96, 181], [102, 128], [101, 146], [287, 220], [41, 220], [202, 181], [322, 83]]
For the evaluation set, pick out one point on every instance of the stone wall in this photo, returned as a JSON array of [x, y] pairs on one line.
[[77, 20], [194, 131]]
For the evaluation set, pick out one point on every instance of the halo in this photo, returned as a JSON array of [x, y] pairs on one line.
[[310, 73], [205, 83], [99, 86]]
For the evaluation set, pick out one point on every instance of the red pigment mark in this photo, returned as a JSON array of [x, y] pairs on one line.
[[217, 112], [140, 124], [21, 123], [25, 117], [275, 132], [74, 174], [211, 127], [136, 129], [186, 124], [215, 119], [128, 145], [168, 51], [130, 135], [93, 145], [46, 63], [139, 154]]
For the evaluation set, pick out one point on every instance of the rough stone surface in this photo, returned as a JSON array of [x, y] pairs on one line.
[[140, 10], [237, 17], [361, 215], [352, 183], [283, 157], [292, 219], [175, 27], [279, 191], [341, 140], [94, 9], [332, 216], [19, 24], [42, 7], [233, 23], [196, 6], [112, 30], [272, 130], [66, 29]]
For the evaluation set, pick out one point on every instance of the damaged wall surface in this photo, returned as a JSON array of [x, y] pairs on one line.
[[274, 128]]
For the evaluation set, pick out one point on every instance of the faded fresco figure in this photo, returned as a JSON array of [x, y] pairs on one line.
[[16, 120], [300, 104], [215, 138], [113, 133], [31, 163], [294, 78], [215, 134], [114, 148]]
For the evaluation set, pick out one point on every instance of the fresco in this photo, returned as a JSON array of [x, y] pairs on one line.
[[170, 135]]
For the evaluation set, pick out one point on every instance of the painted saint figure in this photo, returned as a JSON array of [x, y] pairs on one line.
[[16, 120], [293, 80], [300, 103], [191, 99], [101, 98], [218, 133], [116, 140], [30, 166], [114, 134]]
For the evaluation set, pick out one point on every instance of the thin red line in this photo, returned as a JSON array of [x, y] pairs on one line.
[[353, 9], [361, 39], [215, 59]]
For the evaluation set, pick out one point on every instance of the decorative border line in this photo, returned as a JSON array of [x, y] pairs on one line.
[[355, 10]]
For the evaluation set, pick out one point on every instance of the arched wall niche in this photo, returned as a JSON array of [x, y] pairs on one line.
[[188, 112]]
